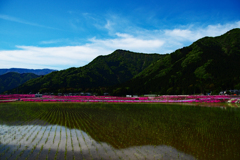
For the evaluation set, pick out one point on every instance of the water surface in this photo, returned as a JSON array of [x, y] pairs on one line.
[[119, 131]]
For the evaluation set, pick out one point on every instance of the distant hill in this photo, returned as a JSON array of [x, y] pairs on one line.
[[11, 80], [23, 70], [209, 64], [102, 72]]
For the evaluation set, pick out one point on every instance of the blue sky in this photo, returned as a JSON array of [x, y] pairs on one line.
[[62, 34]]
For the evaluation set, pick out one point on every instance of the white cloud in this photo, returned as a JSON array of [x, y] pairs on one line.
[[50, 57], [129, 42], [178, 33], [147, 41], [194, 33]]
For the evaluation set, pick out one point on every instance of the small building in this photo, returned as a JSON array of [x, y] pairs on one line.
[[149, 95], [38, 95], [221, 93], [105, 94], [88, 94]]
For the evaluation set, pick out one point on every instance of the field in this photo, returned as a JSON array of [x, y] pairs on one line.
[[115, 99], [31, 130]]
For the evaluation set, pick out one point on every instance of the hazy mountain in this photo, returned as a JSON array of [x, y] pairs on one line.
[[103, 71], [12, 80], [24, 70], [209, 64]]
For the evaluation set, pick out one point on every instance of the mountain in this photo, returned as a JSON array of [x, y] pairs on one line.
[[102, 72], [23, 70], [209, 64], [11, 80]]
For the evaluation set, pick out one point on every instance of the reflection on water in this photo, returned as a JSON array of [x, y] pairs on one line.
[[118, 131], [36, 141]]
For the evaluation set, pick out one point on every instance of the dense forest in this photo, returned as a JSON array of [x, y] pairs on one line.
[[12, 80], [210, 64], [97, 76]]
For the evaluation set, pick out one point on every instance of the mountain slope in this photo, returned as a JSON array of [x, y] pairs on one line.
[[23, 70], [12, 80], [103, 71], [209, 64]]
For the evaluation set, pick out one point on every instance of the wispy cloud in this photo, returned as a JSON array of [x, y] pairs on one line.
[[113, 23], [129, 42], [55, 41], [148, 41], [193, 33], [108, 25], [14, 19]]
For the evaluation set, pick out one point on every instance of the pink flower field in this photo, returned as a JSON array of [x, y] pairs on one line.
[[113, 99]]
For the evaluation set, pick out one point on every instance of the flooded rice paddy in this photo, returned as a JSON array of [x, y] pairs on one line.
[[118, 131]]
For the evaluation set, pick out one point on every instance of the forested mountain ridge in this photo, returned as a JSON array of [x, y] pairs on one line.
[[24, 70], [103, 71], [11, 80], [209, 64]]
